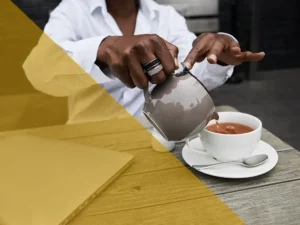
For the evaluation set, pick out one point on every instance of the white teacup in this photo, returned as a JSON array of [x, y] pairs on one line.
[[231, 147]]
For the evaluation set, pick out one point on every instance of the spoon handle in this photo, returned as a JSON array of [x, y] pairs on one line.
[[211, 165]]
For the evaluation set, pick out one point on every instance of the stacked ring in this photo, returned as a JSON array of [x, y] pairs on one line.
[[153, 67]]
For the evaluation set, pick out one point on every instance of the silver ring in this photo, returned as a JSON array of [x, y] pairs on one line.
[[153, 67], [155, 70]]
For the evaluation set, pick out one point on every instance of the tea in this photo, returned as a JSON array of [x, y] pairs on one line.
[[229, 128]]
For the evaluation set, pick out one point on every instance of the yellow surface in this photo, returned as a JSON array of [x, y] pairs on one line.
[[21, 106], [27, 110], [46, 182], [156, 189]]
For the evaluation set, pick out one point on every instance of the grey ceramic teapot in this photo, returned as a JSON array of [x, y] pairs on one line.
[[180, 107]]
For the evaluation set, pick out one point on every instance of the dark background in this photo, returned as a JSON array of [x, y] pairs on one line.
[[278, 29]]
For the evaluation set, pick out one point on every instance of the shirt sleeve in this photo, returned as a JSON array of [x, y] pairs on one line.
[[62, 63], [211, 75]]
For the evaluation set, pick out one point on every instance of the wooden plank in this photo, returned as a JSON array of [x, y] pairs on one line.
[[274, 141], [200, 211], [123, 141], [147, 160], [119, 142], [192, 212], [148, 189], [138, 139], [83, 129], [270, 205], [287, 169]]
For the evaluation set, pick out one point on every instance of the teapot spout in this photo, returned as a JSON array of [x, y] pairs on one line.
[[215, 116]]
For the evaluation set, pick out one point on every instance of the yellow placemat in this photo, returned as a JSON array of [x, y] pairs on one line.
[[47, 182]]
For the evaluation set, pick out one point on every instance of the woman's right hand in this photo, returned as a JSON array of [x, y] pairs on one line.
[[125, 56]]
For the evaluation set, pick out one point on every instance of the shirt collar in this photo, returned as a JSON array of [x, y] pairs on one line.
[[94, 4], [149, 7]]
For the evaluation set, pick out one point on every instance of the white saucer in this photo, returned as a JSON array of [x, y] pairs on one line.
[[193, 157]]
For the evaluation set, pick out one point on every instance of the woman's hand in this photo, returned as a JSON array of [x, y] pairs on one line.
[[219, 48], [126, 55]]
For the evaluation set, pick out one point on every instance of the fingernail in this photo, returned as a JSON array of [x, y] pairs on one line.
[[188, 65], [213, 58], [176, 63]]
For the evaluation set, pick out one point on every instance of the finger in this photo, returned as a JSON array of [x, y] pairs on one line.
[[174, 52], [235, 51], [145, 56], [136, 72], [158, 78], [252, 57], [235, 48], [122, 73], [200, 47], [215, 52], [234, 44], [164, 55]]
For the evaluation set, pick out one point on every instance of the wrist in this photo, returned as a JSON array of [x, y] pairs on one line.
[[102, 49], [103, 54]]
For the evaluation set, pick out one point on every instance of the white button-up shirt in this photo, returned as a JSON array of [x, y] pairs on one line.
[[79, 26]]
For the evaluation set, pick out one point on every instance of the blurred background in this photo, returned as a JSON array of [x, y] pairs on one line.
[[268, 90]]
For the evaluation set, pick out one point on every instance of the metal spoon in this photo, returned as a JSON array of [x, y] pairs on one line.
[[250, 162]]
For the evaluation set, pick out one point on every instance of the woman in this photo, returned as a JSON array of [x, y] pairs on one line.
[[113, 41]]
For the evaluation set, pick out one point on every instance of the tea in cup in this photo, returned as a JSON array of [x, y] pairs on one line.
[[232, 138]]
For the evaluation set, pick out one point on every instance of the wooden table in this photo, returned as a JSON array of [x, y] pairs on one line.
[[165, 191]]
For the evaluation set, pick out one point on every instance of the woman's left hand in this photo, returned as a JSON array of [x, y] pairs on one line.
[[219, 48]]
